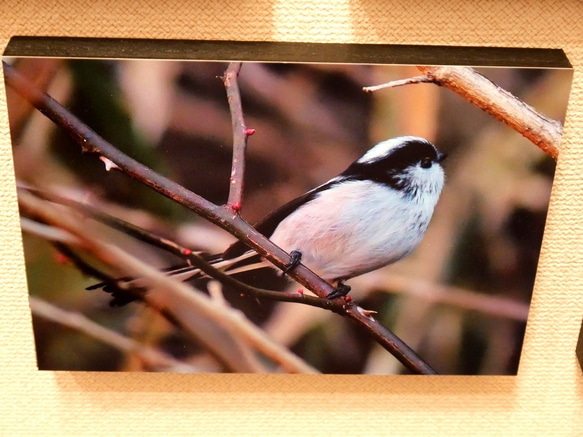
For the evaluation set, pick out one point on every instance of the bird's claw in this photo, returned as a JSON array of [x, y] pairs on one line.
[[340, 291], [295, 260]]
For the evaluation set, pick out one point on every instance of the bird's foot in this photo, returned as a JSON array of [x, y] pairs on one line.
[[295, 260], [341, 291]]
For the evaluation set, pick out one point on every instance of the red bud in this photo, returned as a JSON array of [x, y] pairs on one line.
[[61, 259]]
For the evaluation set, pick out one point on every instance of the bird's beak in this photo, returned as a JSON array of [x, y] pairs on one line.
[[441, 156]]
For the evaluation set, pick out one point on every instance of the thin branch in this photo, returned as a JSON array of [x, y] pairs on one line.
[[222, 216], [240, 135], [542, 131], [191, 257], [153, 358], [397, 83], [505, 107]]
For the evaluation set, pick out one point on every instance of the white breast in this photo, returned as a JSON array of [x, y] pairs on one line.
[[354, 228]]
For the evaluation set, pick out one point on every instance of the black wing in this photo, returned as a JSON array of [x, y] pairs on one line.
[[268, 224]]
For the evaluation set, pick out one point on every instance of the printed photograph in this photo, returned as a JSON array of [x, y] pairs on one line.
[[229, 216]]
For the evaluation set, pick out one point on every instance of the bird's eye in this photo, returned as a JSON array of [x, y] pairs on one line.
[[426, 162]]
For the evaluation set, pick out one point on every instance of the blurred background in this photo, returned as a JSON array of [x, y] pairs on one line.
[[460, 300]]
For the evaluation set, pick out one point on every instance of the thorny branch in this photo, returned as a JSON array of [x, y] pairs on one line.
[[191, 257], [240, 135], [221, 216], [542, 131]]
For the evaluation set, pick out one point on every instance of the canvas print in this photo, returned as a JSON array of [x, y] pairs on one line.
[[231, 214]]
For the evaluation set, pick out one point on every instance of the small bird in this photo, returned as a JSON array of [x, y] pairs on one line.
[[372, 214]]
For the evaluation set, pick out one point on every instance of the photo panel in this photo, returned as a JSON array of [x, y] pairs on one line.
[[439, 252]]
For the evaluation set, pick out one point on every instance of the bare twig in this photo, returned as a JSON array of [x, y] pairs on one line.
[[542, 131], [222, 216], [480, 91], [240, 135], [193, 258], [152, 358], [397, 83]]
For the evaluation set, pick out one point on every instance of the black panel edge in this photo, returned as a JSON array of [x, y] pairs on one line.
[[69, 47]]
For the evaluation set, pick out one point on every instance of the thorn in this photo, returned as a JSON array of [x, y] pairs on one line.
[[108, 163], [367, 313], [249, 131]]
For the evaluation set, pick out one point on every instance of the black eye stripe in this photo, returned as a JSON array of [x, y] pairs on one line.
[[409, 154], [389, 169]]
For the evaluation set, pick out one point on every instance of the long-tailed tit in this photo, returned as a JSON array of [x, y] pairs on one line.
[[373, 214]]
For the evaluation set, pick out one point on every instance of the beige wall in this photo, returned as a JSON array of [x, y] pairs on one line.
[[546, 397]]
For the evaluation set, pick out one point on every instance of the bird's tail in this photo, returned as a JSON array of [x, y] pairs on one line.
[[129, 289]]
